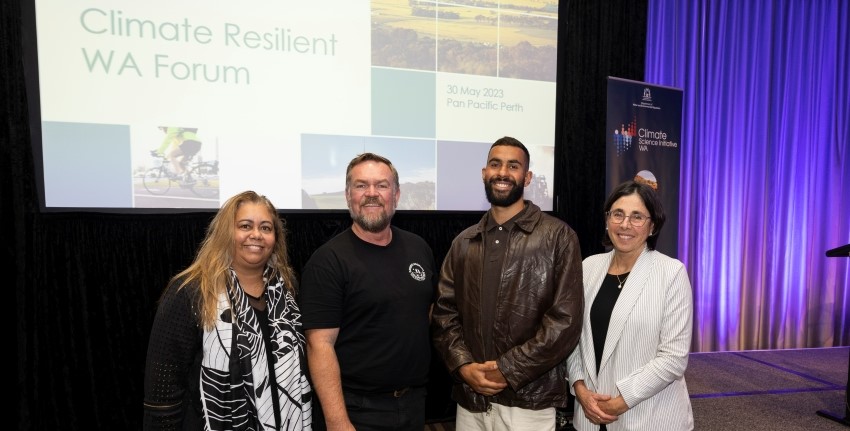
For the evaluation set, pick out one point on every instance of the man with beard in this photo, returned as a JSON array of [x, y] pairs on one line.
[[509, 305], [366, 299]]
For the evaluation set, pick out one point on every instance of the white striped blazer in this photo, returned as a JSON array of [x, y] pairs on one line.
[[646, 348]]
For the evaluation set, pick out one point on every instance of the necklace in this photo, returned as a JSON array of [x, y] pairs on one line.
[[620, 286]]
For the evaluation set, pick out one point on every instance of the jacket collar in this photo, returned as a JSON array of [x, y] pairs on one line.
[[526, 222]]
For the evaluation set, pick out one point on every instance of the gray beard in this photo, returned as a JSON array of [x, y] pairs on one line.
[[374, 224]]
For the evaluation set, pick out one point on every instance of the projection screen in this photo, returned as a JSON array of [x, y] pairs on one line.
[[161, 105]]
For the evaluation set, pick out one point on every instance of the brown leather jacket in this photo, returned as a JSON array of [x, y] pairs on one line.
[[538, 311]]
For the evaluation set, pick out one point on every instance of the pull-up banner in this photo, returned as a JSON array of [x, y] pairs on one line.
[[644, 130]]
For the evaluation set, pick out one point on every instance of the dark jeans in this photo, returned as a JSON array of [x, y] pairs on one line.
[[381, 412]]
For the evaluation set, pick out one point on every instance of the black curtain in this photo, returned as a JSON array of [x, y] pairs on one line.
[[85, 284]]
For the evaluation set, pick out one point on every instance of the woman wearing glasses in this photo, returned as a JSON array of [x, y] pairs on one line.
[[627, 372]]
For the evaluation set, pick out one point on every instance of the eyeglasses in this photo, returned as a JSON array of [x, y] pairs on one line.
[[636, 219]]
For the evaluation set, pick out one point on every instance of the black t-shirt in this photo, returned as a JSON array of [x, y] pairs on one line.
[[379, 298]]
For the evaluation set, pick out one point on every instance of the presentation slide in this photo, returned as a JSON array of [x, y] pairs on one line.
[[166, 105]]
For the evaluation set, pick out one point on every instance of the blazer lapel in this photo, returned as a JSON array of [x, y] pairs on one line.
[[593, 282], [632, 290]]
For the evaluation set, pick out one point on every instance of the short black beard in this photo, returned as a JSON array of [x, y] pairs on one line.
[[509, 199]]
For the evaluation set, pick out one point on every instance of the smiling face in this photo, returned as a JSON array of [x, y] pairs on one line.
[[371, 195], [253, 237], [506, 175], [626, 237]]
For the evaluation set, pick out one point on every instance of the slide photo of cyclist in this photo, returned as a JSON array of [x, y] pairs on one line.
[[175, 167]]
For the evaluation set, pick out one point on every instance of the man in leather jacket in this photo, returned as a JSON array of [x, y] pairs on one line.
[[509, 306]]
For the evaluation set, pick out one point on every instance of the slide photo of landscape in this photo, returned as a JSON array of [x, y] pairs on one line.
[[324, 159], [509, 39]]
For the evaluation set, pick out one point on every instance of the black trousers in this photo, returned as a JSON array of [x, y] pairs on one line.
[[393, 411]]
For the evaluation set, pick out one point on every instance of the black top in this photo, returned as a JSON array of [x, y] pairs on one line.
[[379, 298], [600, 313]]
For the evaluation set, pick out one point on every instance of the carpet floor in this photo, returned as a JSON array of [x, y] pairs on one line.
[[765, 390]]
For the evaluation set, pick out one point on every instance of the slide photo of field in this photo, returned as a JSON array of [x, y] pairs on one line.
[[513, 39]]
